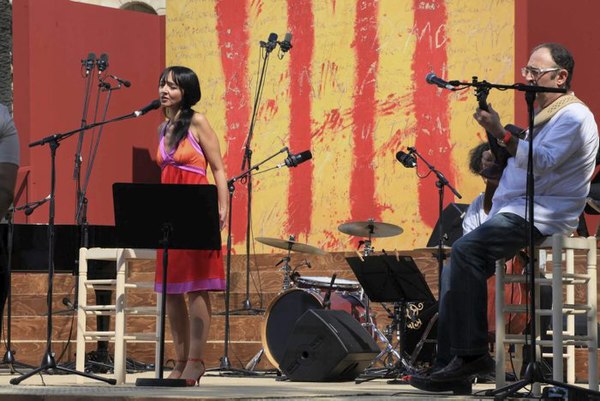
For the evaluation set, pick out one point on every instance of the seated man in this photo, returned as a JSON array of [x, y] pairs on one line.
[[565, 140]]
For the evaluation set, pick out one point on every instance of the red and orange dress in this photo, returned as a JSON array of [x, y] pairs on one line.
[[188, 270]]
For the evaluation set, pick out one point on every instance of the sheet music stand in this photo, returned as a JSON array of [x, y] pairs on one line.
[[389, 279], [147, 216]]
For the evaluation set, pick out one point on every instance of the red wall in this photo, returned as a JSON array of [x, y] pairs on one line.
[[573, 24], [50, 39]]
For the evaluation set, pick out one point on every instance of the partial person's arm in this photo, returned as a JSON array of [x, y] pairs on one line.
[[209, 142], [9, 159]]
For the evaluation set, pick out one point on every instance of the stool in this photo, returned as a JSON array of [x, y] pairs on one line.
[[122, 257], [564, 339]]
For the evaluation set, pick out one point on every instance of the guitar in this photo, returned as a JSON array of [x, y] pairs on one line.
[[500, 153]]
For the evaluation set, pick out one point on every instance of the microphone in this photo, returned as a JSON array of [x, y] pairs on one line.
[[102, 62], [286, 44], [155, 104], [89, 63], [407, 159], [104, 85], [271, 44], [29, 208], [123, 82], [294, 160], [67, 302], [433, 79]]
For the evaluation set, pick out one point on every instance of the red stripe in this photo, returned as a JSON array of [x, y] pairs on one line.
[[431, 104], [232, 23], [363, 202], [301, 25]]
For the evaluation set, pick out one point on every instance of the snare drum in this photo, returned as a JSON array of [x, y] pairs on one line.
[[340, 284], [287, 308]]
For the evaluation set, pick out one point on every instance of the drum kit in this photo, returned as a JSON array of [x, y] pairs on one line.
[[301, 293]]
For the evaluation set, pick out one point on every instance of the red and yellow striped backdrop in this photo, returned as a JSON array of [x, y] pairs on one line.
[[353, 91]]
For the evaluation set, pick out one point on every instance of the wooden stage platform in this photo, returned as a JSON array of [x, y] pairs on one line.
[[221, 386], [215, 386], [29, 338]]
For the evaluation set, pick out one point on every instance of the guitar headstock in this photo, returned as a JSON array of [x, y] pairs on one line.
[[481, 93]]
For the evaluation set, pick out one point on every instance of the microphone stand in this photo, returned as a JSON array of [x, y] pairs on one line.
[[247, 161], [77, 168], [9, 356], [533, 372], [98, 361], [81, 200], [440, 184], [48, 361], [225, 363]]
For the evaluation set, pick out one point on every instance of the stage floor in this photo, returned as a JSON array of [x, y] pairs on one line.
[[219, 386], [213, 386]]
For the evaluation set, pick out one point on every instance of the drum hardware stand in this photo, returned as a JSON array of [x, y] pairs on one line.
[[392, 356], [369, 229], [288, 278], [286, 268]]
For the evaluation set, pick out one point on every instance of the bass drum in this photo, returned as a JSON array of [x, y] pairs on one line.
[[286, 309]]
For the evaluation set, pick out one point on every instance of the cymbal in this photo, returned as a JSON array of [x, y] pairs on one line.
[[370, 228], [289, 245]]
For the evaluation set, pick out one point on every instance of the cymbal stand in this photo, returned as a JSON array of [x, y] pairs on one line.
[[286, 284], [394, 362], [286, 268], [367, 251], [389, 352]]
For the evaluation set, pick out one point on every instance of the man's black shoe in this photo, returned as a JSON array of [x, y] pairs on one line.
[[424, 383], [459, 369]]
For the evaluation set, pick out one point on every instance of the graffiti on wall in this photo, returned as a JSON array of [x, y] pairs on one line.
[[351, 90]]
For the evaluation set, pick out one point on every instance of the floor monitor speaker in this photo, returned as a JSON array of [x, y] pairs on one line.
[[327, 345]]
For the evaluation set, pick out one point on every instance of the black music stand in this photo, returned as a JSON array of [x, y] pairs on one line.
[[148, 216], [386, 278]]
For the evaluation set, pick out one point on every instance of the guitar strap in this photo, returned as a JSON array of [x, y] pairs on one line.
[[547, 113]]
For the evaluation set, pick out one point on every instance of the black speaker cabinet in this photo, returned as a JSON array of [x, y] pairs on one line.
[[327, 345]]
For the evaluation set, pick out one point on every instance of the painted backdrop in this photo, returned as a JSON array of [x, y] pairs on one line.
[[352, 90]]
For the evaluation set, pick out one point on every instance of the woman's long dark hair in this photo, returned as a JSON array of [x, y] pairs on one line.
[[188, 82]]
